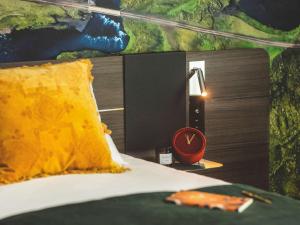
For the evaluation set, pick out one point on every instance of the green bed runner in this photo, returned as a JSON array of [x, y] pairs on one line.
[[150, 209]]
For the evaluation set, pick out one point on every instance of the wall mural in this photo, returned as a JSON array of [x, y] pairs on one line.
[[66, 33], [35, 31]]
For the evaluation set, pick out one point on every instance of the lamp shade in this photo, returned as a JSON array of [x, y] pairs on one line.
[[194, 86], [197, 83]]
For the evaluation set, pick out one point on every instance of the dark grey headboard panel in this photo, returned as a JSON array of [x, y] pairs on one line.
[[155, 99]]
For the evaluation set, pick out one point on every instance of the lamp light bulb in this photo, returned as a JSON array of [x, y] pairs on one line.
[[204, 94]]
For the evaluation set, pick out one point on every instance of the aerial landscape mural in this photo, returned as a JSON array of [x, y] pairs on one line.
[[33, 31], [66, 34]]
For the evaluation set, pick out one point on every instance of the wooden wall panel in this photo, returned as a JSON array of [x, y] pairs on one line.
[[108, 87], [235, 73], [231, 172], [237, 114], [108, 83], [115, 121], [232, 121]]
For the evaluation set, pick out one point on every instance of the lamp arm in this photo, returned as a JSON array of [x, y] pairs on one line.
[[201, 80], [191, 73]]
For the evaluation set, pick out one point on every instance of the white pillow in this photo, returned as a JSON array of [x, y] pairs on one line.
[[115, 154]]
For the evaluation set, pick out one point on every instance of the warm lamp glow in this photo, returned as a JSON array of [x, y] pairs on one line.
[[204, 94]]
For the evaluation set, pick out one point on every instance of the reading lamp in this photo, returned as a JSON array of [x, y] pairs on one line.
[[197, 92], [197, 83]]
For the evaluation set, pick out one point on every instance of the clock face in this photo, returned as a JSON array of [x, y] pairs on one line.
[[189, 141], [189, 144]]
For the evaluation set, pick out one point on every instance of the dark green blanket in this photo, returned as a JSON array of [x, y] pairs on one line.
[[150, 209]]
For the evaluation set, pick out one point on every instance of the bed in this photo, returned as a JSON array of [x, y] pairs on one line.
[[137, 196], [144, 177], [133, 197]]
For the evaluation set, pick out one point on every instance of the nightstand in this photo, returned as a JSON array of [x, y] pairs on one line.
[[233, 172], [198, 167], [206, 167]]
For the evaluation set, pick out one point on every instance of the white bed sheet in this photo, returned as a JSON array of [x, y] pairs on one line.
[[54, 191]]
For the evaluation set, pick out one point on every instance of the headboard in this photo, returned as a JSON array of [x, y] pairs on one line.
[[236, 112]]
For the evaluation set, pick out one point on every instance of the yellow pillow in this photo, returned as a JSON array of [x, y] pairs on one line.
[[49, 123]]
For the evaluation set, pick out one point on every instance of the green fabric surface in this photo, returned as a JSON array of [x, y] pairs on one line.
[[150, 208]]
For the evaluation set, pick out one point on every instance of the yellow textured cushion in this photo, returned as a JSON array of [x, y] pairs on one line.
[[49, 123]]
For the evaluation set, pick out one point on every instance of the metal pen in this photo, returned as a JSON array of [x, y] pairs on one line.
[[257, 197]]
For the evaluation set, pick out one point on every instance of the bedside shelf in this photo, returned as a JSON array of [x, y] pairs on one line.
[[202, 165]]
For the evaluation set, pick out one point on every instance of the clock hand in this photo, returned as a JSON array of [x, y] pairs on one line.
[[192, 138], [187, 139]]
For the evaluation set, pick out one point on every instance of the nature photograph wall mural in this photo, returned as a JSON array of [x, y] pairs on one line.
[[64, 29]]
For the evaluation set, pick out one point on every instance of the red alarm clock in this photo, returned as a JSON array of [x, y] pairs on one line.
[[189, 145]]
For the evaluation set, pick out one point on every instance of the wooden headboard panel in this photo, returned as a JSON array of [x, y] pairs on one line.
[[236, 112]]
